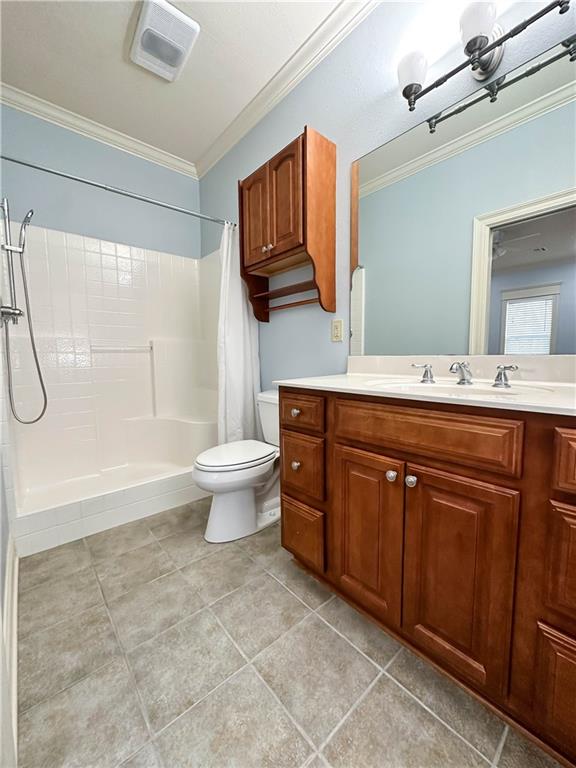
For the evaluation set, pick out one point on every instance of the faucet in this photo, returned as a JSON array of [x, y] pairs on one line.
[[427, 375], [501, 379], [463, 369]]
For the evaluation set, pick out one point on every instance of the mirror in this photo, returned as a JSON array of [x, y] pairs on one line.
[[467, 235]]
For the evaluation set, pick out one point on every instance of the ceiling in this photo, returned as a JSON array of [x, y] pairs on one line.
[[520, 245], [76, 56]]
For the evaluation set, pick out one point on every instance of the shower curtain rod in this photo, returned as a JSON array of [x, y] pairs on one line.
[[117, 191]]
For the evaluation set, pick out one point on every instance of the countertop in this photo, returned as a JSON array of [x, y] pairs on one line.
[[534, 396]]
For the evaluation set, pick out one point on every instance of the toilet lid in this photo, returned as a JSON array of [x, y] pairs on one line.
[[241, 454]]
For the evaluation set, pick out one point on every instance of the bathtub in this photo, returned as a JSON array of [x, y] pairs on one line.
[[157, 476]]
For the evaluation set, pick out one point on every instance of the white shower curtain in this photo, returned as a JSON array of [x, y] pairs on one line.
[[238, 363]]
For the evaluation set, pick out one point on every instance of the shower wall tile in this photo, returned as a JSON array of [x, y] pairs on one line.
[[87, 293]]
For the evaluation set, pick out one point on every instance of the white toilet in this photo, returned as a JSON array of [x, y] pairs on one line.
[[243, 478]]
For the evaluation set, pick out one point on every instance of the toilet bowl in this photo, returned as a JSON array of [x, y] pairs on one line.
[[243, 479]]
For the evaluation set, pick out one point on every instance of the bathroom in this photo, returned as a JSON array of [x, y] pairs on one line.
[[288, 384]]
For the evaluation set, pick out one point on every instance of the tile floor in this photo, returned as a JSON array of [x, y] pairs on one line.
[[146, 647]]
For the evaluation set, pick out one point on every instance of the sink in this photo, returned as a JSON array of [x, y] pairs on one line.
[[481, 389]]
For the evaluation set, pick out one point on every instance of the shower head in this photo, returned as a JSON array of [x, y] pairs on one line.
[[22, 238]]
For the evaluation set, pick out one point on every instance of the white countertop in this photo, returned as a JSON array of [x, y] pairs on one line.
[[537, 396]]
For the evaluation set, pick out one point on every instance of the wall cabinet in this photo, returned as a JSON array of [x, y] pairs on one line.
[[288, 219], [455, 529]]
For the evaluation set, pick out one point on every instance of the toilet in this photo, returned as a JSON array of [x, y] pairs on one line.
[[243, 478]]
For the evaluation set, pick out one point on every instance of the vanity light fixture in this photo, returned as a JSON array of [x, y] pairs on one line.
[[483, 41]]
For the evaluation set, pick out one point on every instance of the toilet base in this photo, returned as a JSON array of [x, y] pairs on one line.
[[237, 514]]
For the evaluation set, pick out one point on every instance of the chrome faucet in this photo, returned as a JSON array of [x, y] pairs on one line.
[[427, 375], [501, 379], [463, 370]]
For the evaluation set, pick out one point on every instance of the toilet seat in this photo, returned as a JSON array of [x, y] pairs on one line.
[[231, 457]]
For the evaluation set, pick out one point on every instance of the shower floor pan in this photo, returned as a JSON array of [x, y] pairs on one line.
[[57, 513]]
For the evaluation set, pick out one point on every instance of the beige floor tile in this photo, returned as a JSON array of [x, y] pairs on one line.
[[316, 674], [55, 658], [177, 668], [457, 708], [96, 722], [151, 608], [298, 581], [240, 725], [117, 541], [120, 574], [518, 752], [365, 635], [389, 729], [216, 575], [188, 546], [263, 547], [43, 606], [259, 613], [147, 757], [51, 564], [188, 517]]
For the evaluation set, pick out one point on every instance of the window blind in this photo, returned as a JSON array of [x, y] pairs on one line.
[[528, 325]]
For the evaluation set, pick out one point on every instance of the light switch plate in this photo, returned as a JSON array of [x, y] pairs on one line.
[[337, 330]]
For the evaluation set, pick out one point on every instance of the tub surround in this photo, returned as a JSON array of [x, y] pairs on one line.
[[541, 384], [448, 521]]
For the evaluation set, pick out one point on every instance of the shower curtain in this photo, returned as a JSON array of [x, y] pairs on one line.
[[238, 363]]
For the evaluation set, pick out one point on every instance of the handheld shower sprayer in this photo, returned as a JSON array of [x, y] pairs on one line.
[[10, 314]]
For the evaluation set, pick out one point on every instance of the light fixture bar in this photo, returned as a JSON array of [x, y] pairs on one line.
[[563, 5], [494, 89]]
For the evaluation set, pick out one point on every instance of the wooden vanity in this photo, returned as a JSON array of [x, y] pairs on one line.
[[453, 527]]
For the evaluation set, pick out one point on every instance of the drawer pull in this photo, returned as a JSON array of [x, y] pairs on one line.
[[296, 465], [295, 412], [391, 475], [411, 481]]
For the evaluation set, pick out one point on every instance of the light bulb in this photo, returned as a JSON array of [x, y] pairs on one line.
[[412, 70], [477, 20]]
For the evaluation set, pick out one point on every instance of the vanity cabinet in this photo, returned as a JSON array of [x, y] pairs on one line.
[[288, 219], [454, 528]]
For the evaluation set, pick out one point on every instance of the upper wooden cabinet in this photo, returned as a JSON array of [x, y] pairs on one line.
[[288, 219]]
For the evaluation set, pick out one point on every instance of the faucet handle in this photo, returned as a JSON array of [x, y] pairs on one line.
[[501, 380], [501, 367], [427, 374]]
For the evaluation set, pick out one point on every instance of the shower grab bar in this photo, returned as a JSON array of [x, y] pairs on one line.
[[136, 348]]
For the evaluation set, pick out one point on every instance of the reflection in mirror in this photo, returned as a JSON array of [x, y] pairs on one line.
[[452, 227]]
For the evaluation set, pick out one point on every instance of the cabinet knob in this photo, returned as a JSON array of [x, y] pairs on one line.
[[411, 481], [295, 412], [264, 249], [391, 475], [269, 247], [296, 465]]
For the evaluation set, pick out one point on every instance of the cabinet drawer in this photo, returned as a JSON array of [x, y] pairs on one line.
[[302, 461], [561, 564], [565, 460], [556, 686], [475, 441], [302, 412], [303, 532]]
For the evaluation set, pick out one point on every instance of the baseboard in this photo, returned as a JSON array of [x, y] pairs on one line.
[[10, 631]]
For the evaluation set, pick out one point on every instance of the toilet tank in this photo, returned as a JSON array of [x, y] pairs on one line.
[[268, 410]]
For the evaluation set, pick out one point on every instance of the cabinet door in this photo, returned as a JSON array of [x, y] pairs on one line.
[[286, 201], [255, 217], [459, 565], [369, 524]]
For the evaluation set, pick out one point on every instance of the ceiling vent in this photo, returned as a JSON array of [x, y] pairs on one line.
[[164, 38]]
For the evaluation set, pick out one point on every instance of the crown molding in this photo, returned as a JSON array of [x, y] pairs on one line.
[[337, 26], [558, 98], [45, 110]]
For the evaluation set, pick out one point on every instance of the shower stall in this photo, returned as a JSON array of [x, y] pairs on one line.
[[125, 344]]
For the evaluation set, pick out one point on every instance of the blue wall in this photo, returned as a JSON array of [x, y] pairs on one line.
[[563, 272], [351, 97], [416, 235], [73, 207]]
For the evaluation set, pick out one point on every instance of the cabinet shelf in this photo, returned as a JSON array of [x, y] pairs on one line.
[[288, 220]]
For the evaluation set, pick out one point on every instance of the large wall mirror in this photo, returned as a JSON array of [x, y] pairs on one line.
[[467, 235]]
